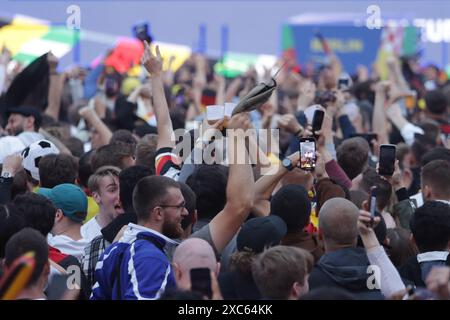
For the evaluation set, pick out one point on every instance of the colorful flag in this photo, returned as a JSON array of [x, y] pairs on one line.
[[396, 41], [28, 38]]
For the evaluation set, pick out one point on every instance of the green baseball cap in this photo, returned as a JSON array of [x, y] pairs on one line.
[[69, 198]]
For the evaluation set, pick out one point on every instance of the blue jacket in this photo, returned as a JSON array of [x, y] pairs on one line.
[[139, 270]]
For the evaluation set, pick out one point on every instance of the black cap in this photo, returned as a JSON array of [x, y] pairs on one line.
[[258, 233], [27, 112]]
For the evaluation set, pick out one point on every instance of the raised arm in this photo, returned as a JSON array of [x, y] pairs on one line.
[[5, 58], [379, 114], [403, 210], [232, 89], [55, 88], [91, 117], [394, 113], [240, 187], [134, 95], [153, 64], [390, 281], [221, 84], [406, 128], [267, 183], [199, 83], [333, 169], [395, 73], [307, 90], [335, 63]]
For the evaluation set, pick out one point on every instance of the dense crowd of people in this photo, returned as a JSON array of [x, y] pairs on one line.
[[93, 183]]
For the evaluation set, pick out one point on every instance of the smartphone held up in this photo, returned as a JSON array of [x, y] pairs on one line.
[[307, 154], [201, 281], [317, 121], [387, 160]]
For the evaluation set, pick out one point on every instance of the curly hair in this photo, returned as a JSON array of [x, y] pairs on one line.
[[241, 261]]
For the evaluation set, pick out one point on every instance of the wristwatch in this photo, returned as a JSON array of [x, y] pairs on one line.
[[287, 163], [6, 174]]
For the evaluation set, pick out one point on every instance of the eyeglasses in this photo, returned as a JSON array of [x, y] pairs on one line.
[[179, 207]]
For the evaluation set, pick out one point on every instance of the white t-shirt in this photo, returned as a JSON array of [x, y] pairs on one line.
[[91, 229], [67, 245], [28, 137], [10, 145]]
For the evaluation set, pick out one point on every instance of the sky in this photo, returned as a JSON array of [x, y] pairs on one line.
[[254, 26]]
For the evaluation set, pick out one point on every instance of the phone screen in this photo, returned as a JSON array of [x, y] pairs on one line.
[[201, 281], [307, 154], [317, 120], [387, 160]]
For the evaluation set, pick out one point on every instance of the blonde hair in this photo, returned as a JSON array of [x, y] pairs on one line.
[[94, 179]]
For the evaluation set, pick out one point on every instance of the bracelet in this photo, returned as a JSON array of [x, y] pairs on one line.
[[298, 132]]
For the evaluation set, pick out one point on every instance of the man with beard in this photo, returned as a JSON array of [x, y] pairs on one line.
[[137, 267], [22, 129], [23, 119]]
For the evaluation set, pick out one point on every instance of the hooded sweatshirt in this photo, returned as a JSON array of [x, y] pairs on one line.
[[347, 269], [135, 268]]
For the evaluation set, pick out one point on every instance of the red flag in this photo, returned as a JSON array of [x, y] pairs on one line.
[[127, 53]]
